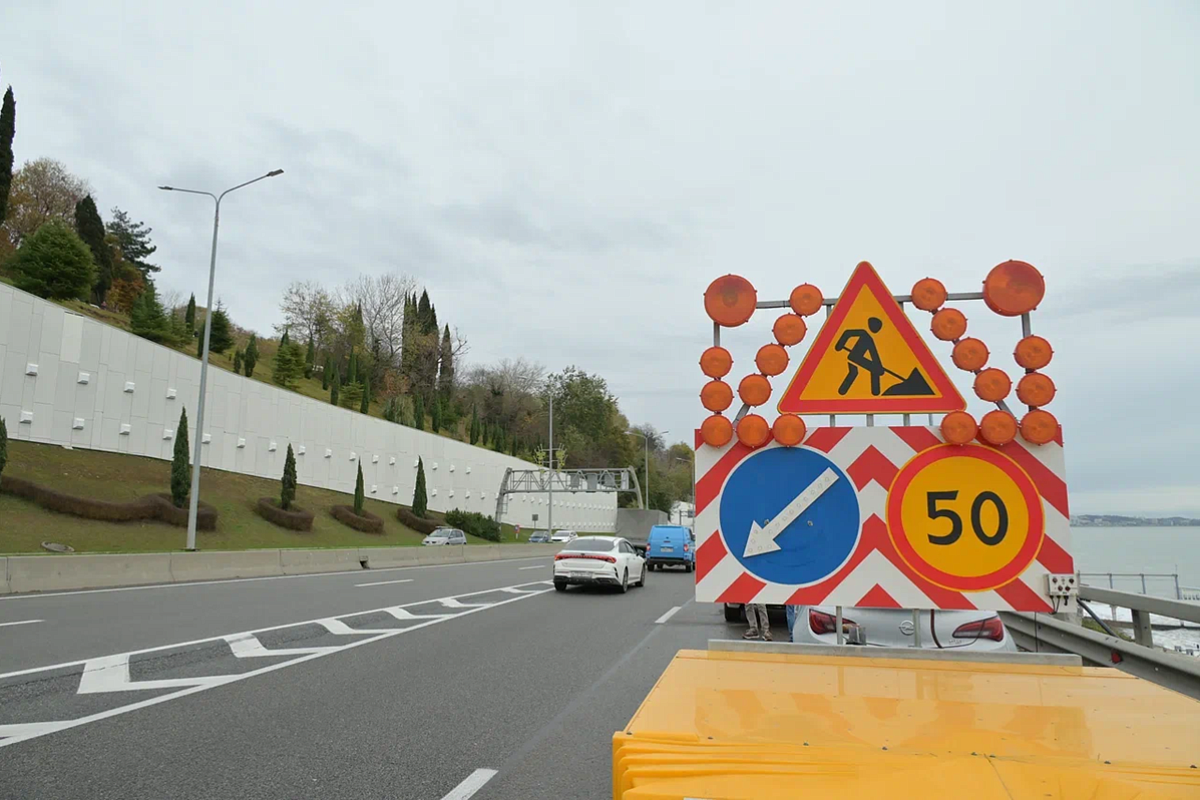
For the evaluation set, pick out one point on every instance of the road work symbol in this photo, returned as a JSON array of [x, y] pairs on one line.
[[869, 359]]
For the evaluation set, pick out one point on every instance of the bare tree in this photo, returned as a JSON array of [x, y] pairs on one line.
[[42, 190], [308, 310], [381, 298]]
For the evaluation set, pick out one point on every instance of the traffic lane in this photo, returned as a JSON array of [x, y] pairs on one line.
[[86, 625], [411, 716]]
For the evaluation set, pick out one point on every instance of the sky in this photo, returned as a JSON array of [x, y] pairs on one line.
[[567, 178]]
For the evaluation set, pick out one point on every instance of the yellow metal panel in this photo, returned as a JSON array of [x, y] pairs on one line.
[[747, 725]]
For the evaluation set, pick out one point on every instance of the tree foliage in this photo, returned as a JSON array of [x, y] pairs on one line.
[[310, 357], [289, 364], [148, 319], [250, 356], [420, 501], [325, 373], [54, 263], [90, 228], [335, 388], [134, 240], [237, 361], [180, 475], [42, 191], [445, 387], [359, 497], [221, 337], [287, 489], [3, 446], [189, 317], [418, 413], [308, 308], [365, 404], [473, 433], [8, 128]]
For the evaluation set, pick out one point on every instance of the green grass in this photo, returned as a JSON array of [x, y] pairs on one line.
[[113, 476]]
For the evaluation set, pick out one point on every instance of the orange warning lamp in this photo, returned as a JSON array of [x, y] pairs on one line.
[[789, 329], [806, 300], [716, 362], [1039, 427], [754, 390], [1013, 288], [992, 385], [998, 427], [730, 300], [958, 427], [716, 431], [928, 294], [970, 354], [1035, 389], [772, 359], [753, 431], [716, 395], [1033, 352], [789, 430], [949, 324]]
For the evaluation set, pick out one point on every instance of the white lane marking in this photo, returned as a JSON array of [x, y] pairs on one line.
[[668, 615], [535, 566], [511, 590], [450, 602], [13, 734], [383, 583], [400, 613], [111, 674], [762, 539], [473, 783], [247, 645], [336, 626], [21, 622], [32, 595]]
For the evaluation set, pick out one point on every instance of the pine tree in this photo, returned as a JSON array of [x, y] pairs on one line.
[[147, 318], [352, 370], [237, 361], [419, 413], [287, 490], [54, 263], [289, 363], [474, 431], [445, 384], [90, 228], [335, 388], [189, 318], [419, 501], [180, 479], [358, 492], [283, 340], [250, 357], [325, 372], [366, 398], [310, 358], [435, 416], [221, 336], [8, 127]]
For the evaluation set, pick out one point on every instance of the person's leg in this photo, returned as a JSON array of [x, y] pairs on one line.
[[791, 622], [752, 619], [851, 374], [764, 624]]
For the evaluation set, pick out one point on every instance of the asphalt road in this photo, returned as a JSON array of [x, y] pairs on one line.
[[460, 676]]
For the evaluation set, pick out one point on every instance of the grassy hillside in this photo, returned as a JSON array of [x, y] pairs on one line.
[[112, 476]]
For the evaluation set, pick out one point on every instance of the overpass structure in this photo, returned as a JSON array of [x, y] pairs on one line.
[[546, 481]]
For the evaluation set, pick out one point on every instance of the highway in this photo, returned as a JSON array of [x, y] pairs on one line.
[[423, 682]]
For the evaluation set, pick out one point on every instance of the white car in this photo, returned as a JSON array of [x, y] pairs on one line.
[[564, 536], [893, 627], [607, 560]]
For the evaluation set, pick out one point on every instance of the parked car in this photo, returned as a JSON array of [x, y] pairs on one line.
[[539, 536], [445, 536], [564, 536], [671, 546], [606, 560]]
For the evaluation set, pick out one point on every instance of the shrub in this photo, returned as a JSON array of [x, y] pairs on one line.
[[237, 361], [294, 518], [54, 263], [474, 523], [287, 493], [351, 396], [154, 506], [180, 479], [365, 522], [420, 501], [359, 497], [418, 524]]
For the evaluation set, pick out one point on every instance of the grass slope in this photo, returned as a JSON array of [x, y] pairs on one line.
[[113, 476]]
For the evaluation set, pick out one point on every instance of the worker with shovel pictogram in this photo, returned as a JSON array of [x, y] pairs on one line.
[[864, 354]]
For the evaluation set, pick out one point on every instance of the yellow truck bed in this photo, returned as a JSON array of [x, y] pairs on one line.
[[725, 725]]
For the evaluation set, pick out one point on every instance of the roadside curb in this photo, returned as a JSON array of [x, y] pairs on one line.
[[51, 573]]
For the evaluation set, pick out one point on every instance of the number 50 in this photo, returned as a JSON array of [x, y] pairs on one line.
[[956, 524]]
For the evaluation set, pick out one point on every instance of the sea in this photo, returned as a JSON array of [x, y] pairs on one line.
[[1155, 552]]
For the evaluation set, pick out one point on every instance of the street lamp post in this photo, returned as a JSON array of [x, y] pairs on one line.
[[646, 440], [194, 504]]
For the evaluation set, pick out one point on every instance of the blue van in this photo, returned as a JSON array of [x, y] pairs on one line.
[[671, 545]]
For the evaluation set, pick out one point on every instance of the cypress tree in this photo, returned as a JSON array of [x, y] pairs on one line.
[[90, 228], [419, 501], [8, 127], [287, 490], [250, 357], [435, 416], [189, 317], [310, 358], [419, 413], [352, 370], [474, 432], [325, 372], [366, 398], [358, 492], [180, 479], [237, 361], [335, 388], [512, 447], [446, 371], [3, 445]]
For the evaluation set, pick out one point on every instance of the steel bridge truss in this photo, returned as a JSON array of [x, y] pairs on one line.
[[543, 481]]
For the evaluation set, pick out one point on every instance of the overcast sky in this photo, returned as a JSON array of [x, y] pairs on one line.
[[567, 178]]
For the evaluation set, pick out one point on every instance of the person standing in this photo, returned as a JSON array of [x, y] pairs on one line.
[[760, 626]]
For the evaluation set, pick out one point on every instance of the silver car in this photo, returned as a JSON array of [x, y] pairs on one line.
[[445, 536]]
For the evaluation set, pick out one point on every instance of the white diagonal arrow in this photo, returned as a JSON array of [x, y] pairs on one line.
[[762, 538]]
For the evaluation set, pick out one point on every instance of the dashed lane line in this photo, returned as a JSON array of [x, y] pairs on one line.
[[472, 784], [668, 615], [21, 622], [383, 583]]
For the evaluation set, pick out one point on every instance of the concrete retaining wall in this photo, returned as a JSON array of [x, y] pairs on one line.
[[50, 573]]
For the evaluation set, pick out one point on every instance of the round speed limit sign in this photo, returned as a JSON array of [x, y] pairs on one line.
[[966, 518]]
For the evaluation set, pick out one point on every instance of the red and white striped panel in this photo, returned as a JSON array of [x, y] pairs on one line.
[[875, 575]]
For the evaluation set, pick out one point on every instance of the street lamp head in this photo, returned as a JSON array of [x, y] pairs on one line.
[[167, 188], [274, 172]]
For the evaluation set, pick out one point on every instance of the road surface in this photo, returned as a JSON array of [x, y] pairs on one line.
[[468, 680]]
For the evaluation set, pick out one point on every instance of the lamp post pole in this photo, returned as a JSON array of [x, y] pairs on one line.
[[194, 499], [646, 441]]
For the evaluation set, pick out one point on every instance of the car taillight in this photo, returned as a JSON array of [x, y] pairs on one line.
[[990, 628], [593, 556], [685, 547], [820, 622]]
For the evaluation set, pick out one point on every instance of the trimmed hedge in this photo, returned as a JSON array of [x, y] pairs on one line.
[[296, 519], [474, 523], [152, 506], [419, 524], [366, 522]]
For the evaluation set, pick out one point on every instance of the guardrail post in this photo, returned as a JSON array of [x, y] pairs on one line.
[[1143, 634]]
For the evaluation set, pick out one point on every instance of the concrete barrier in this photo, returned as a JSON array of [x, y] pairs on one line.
[[304, 562], [49, 572], [483, 552], [4, 589], [219, 564], [378, 557]]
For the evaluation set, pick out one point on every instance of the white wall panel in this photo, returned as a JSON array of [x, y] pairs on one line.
[[63, 344]]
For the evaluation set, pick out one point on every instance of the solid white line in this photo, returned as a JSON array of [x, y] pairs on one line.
[[474, 782], [21, 622], [536, 566], [383, 583], [668, 615], [31, 595]]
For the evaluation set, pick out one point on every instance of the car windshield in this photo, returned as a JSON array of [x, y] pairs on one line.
[[593, 545]]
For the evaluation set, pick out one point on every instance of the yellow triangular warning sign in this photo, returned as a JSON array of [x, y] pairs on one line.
[[869, 359]]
